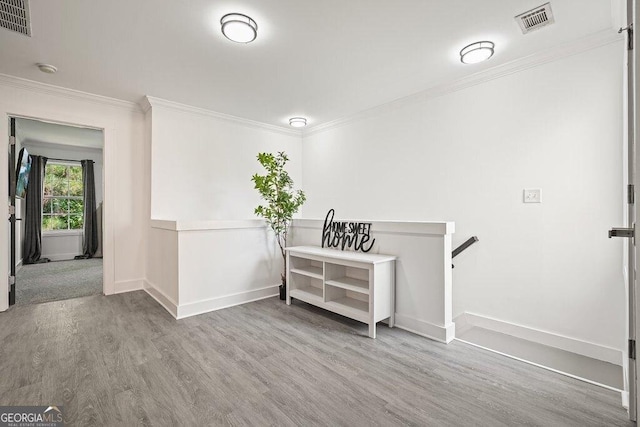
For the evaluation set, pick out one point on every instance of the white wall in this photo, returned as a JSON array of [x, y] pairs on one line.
[[162, 273], [126, 190], [202, 266], [466, 156], [65, 245], [201, 164], [201, 168], [62, 246]]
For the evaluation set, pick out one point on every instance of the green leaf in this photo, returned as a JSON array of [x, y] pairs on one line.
[[276, 189]]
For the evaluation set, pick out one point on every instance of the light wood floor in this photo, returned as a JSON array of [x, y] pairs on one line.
[[122, 360]]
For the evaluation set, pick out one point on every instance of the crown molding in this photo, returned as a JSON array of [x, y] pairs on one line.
[[158, 102], [38, 87], [585, 44], [145, 104]]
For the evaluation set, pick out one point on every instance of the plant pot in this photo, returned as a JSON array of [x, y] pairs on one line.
[[283, 292]]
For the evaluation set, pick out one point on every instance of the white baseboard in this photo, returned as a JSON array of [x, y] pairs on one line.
[[128, 286], [61, 257], [573, 345], [462, 324], [162, 299], [200, 307], [625, 375], [19, 265], [205, 306], [543, 367], [444, 334]]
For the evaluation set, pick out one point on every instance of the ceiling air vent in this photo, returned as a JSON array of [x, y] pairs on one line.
[[536, 18], [14, 16]]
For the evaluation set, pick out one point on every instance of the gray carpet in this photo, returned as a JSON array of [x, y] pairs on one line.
[[58, 280]]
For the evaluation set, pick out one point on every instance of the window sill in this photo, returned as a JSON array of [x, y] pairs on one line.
[[62, 233]]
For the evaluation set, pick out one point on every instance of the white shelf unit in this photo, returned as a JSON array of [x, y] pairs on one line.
[[357, 285]]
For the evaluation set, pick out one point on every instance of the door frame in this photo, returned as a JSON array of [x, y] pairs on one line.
[[12, 212], [633, 13], [108, 181]]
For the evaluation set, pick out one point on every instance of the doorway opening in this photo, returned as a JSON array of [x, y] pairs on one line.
[[57, 188]]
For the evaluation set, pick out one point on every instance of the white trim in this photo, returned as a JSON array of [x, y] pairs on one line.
[[161, 298], [62, 233], [207, 225], [572, 345], [50, 121], [544, 367], [128, 286], [462, 324], [584, 44], [444, 334], [218, 303], [158, 102], [47, 89], [162, 224], [61, 257], [440, 228], [145, 104], [35, 145], [625, 399], [109, 208], [109, 157], [74, 163], [220, 225]]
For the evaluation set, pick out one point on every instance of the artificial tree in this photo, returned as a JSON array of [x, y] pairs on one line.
[[282, 201]]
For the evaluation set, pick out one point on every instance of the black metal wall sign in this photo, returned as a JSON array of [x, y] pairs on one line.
[[344, 234]]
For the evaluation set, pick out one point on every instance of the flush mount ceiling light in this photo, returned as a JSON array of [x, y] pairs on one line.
[[298, 122], [239, 28], [47, 68], [476, 52]]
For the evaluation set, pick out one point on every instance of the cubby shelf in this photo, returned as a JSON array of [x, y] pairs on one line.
[[352, 308], [351, 284], [356, 285], [308, 294], [311, 271]]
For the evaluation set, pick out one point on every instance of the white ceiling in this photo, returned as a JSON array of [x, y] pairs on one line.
[[28, 130], [323, 59]]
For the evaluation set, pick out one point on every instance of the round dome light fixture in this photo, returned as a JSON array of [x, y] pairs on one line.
[[477, 52], [298, 122], [239, 28], [46, 68]]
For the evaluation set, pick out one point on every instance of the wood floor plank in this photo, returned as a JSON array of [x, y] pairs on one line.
[[123, 360]]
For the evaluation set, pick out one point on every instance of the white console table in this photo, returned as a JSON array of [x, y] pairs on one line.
[[357, 285]]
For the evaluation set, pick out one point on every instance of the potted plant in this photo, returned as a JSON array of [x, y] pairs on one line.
[[282, 202]]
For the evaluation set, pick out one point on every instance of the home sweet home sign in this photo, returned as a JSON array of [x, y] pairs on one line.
[[345, 234]]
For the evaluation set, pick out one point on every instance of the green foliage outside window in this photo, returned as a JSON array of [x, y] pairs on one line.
[[62, 207]]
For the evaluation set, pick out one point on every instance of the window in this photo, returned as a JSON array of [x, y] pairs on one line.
[[62, 207]]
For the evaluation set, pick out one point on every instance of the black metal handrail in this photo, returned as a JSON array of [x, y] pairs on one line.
[[470, 241]]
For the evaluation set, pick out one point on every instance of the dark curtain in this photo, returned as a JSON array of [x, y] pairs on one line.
[[32, 246], [90, 241]]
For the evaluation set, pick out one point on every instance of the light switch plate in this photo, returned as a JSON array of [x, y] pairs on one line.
[[532, 195]]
